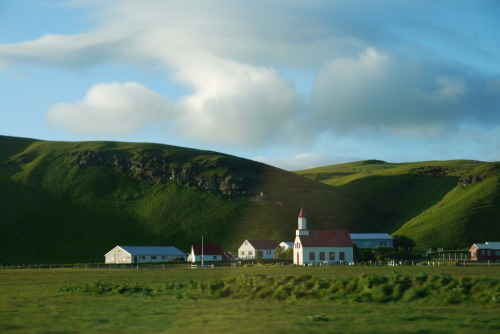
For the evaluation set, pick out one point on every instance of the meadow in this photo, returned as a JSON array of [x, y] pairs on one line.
[[55, 301]]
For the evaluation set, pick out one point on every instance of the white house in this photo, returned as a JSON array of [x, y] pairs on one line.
[[208, 252], [286, 244], [320, 246], [139, 254], [372, 240], [251, 247]]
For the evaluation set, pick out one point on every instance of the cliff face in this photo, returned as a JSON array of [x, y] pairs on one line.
[[160, 170]]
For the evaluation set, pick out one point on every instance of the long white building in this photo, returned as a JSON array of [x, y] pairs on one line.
[[139, 254]]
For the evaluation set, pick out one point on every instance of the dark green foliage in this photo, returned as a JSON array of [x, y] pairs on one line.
[[441, 289]]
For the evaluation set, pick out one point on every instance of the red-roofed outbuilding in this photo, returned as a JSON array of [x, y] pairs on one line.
[[210, 252]]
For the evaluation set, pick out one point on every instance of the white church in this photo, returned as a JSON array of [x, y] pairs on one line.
[[313, 247]]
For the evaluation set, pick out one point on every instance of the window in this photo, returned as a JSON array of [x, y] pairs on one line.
[[153, 257], [215, 257], [250, 253], [142, 257], [341, 256], [246, 243], [322, 256], [242, 252], [332, 256], [312, 256], [497, 252], [488, 252]]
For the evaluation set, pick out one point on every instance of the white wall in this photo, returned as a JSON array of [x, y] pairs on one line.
[[207, 258], [246, 248], [118, 255], [304, 255], [246, 251]]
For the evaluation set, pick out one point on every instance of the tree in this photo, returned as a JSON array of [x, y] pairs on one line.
[[259, 256], [401, 241], [283, 254], [382, 253]]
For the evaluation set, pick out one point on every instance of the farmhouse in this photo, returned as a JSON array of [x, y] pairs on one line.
[[208, 252], [372, 240], [320, 247], [251, 247], [139, 254], [489, 251]]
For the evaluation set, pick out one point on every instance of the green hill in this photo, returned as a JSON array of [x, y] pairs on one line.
[[74, 201], [68, 202], [448, 204]]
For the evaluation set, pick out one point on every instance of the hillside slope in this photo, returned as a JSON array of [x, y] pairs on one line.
[[70, 202], [446, 204]]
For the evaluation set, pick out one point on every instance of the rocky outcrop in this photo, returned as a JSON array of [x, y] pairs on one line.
[[465, 181], [161, 170]]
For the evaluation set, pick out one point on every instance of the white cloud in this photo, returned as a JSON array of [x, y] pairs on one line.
[[238, 104], [231, 55], [383, 93], [111, 108]]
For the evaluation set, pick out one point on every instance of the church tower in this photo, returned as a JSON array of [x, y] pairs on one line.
[[302, 226]]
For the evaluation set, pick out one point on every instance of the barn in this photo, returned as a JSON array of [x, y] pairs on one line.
[[140, 254], [488, 251]]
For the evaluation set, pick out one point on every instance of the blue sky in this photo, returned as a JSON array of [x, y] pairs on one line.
[[295, 84]]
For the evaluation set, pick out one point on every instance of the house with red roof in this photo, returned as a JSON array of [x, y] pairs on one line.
[[209, 252], [320, 246]]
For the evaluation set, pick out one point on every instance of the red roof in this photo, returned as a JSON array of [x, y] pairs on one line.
[[302, 213], [326, 238], [208, 249]]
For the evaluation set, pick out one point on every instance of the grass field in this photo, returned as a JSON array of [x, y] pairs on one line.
[[34, 301]]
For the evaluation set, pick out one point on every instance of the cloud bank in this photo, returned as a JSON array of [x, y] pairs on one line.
[[111, 108], [234, 58]]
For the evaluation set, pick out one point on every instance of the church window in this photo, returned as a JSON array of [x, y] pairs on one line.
[[312, 256], [332, 256], [322, 256]]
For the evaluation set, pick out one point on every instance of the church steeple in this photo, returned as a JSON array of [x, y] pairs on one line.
[[302, 225]]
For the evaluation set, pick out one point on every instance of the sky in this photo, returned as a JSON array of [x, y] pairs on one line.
[[295, 84]]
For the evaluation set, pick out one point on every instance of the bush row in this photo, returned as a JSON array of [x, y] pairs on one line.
[[441, 289]]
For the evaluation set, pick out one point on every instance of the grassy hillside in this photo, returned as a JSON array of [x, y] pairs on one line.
[[448, 204], [72, 202], [67, 202]]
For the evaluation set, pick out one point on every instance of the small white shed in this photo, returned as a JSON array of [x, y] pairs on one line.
[[139, 254]]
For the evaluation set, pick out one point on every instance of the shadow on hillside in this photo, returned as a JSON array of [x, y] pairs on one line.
[[394, 200]]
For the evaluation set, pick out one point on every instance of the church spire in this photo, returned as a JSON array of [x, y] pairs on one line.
[[302, 213], [302, 224]]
